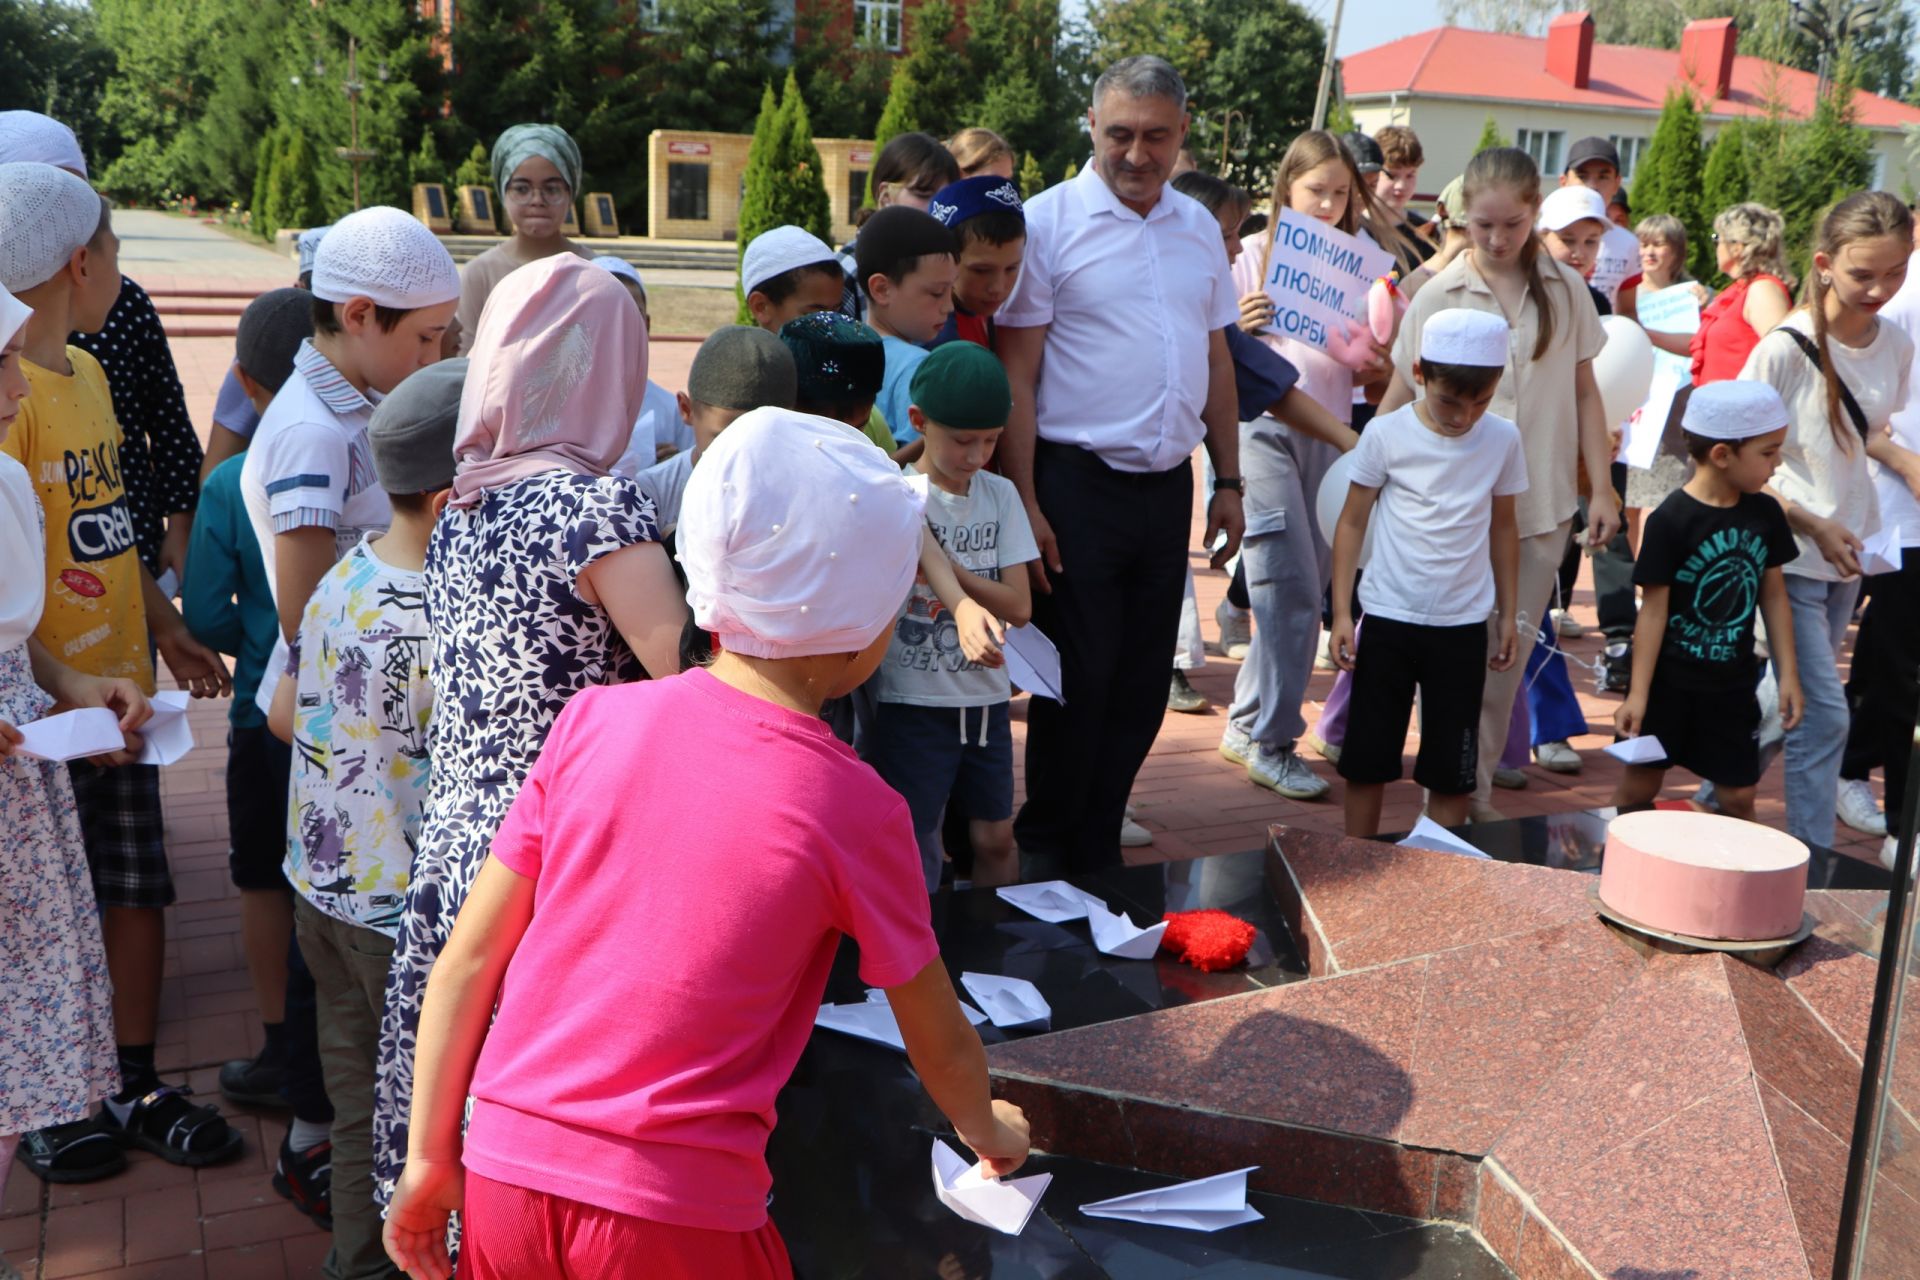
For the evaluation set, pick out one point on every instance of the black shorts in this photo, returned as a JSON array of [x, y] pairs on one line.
[[1448, 666], [935, 756], [1712, 733], [257, 768], [124, 832]]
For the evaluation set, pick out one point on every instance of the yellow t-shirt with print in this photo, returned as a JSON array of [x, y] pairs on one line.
[[67, 438]]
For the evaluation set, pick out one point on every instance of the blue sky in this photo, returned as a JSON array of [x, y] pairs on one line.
[[1365, 24]]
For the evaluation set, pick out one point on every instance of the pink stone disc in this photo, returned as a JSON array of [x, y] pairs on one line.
[[1704, 875]]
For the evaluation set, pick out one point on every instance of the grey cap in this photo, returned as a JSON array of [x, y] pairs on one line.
[[413, 429], [270, 333], [743, 367]]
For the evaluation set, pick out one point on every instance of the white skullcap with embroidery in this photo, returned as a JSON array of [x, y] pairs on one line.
[[307, 245], [798, 537], [1460, 336], [388, 255], [28, 135], [1733, 410], [45, 214]]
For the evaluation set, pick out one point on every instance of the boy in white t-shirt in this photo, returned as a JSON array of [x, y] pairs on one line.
[[942, 730], [1441, 474]]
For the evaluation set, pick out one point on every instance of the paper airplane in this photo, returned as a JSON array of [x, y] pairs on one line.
[[1428, 834], [1033, 662], [1003, 1205], [1009, 1002], [1641, 750], [1881, 554], [1118, 935], [873, 1019], [167, 734], [1207, 1204], [72, 735], [1054, 901]]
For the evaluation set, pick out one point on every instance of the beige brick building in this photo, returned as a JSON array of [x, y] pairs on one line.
[[694, 182]]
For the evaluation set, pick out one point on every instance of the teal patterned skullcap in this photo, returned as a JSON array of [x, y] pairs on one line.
[[522, 142], [837, 360]]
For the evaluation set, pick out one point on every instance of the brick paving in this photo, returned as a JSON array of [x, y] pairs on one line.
[[156, 1222]]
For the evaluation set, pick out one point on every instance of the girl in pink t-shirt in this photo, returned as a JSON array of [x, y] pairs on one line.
[[663, 902]]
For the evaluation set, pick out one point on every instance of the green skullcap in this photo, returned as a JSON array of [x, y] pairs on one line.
[[962, 386], [524, 141]]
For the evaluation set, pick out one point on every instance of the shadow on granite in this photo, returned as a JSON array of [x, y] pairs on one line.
[[1476, 1045]]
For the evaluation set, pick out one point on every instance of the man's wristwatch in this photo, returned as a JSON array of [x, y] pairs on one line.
[[1234, 483]]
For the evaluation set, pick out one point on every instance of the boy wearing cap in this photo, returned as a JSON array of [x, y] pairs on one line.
[[661, 430], [634, 1114], [789, 272], [1709, 556], [961, 399], [990, 231], [384, 293], [1573, 224], [907, 262], [1441, 475], [228, 605], [840, 366], [1595, 164], [736, 369], [357, 711], [59, 255]]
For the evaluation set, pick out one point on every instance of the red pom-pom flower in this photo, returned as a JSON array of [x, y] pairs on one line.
[[1208, 940]]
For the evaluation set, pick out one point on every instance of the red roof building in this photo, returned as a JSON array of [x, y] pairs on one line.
[[1546, 92]]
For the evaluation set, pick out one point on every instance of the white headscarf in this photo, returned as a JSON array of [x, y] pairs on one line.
[[23, 577]]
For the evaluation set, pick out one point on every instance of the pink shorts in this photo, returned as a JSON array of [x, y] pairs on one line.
[[511, 1233]]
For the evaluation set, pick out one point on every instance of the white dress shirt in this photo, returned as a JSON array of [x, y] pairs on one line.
[[1131, 304]]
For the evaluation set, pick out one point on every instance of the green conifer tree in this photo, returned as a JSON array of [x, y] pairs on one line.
[[900, 115], [1724, 183], [757, 197], [1033, 179], [1670, 176], [803, 181], [1490, 137]]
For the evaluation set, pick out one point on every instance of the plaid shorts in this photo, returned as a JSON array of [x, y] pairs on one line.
[[121, 823]]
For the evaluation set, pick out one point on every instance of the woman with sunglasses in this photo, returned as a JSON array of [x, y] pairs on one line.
[[536, 170]]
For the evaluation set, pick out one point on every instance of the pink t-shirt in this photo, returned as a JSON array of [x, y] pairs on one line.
[[698, 852]]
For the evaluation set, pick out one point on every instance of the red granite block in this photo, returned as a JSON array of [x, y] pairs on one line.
[[1088, 1125], [1700, 1194], [1837, 984], [1496, 1021], [1456, 1188], [1544, 1256], [1499, 1215], [1669, 1041], [1791, 1050], [1813, 1163]]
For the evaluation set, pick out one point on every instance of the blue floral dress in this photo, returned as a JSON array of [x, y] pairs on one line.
[[512, 641], [56, 1001]]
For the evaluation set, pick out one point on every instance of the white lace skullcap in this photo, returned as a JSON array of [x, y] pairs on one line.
[[1460, 336], [28, 135], [1734, 410], [307, 244], [388, 255], [798, 536], [45, 214]]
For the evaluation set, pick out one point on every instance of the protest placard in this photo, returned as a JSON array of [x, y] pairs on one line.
[[1675, 309], [1318, 276]]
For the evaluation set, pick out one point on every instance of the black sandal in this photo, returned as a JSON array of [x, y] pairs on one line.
[[79, 1151], [169, 1126]]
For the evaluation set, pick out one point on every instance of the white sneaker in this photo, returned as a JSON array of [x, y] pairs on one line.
[[1856, 808], [1557, 757], [1889, 851], [1134, 836], [1236, 745], [1132, 812], [1285, 773], [1321, 660], [1565, 624], [1236, 629]]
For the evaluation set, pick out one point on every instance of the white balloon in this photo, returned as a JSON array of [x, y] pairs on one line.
[[1624, 368], [1332, 498]]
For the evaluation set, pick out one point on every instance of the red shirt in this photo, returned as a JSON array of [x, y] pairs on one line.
[[1724, 339], [697, 854]]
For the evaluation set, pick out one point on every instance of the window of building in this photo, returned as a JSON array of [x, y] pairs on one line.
[[879, 21], [1546, 146], [1632, 151], [648, 12], [856, 190], [687, 191]]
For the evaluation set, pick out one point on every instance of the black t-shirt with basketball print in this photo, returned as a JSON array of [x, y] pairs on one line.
[[1711, 559]]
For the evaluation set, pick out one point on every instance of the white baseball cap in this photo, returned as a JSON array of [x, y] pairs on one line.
[[1568, 205]]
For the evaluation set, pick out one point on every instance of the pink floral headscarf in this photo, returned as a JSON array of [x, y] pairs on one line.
[[555, 377]]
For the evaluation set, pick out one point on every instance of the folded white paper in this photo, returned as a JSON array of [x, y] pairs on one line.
[[1641, 750], [1033, 663], [1428, 834], [1118, 935], [169, 583], [167, 734], [1881, 554], [72, 735], [1009, 1002], [1003, 1205], [1054, 901], [1207, 1204], [873, 1019]]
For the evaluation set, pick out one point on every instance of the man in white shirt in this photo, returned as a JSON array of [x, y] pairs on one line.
[[1114, 341]]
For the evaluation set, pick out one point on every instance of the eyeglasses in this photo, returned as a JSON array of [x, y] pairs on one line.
[[552, 191]]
